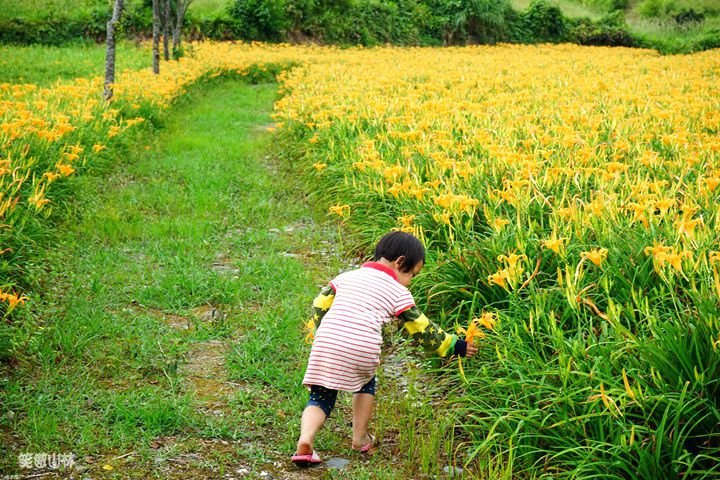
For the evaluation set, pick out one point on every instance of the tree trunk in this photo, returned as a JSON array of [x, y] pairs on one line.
[[110, 50], [156, 37], [166, 29], [180, 9]]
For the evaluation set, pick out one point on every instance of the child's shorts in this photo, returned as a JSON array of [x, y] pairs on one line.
[[324, 398]]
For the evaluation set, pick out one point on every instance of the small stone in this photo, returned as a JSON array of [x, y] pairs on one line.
[[242, 471], [453, 471], [337, 463]]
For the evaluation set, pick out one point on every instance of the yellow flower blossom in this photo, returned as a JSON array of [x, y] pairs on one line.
[[499, 278], [714, 257], [342, 211], [596, 256], [319, 166], [554, 244]]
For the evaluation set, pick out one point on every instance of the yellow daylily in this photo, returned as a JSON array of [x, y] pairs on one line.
[[596, 256]]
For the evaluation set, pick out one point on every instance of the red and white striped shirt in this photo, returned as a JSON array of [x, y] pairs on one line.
[[346, 349]]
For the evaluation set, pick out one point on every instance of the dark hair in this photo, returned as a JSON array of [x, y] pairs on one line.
[[401, 244]]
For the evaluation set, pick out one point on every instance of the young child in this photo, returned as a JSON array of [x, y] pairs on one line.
[[350, 312]]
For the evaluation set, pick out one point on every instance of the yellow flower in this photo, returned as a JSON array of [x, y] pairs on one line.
[[499, 278], [320, 166], [12, 299], [97, 148], [407, 220], [443, 217], [554, 244], [514, 268], [714, 257], [712, 183], [65, 169], [51, 177], [38, 200], [596, 256], [487, 320], [70, 157], [675, 259], [686, 226], [499, 223], [341, 210], [659, 254]]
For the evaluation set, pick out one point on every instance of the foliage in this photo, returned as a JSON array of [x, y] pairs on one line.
[[543, 22], [610, 30], [260, 19], [374, 22], [607, 5]]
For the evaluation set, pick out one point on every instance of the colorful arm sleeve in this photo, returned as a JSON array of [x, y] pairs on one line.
[[322, 303], [430, 336]]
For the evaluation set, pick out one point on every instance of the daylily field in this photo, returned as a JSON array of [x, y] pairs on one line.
[[568, 197]]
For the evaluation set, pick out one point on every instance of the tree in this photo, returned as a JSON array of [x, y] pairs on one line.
[[166, 29], [156, 36], [181, 7], [110, 50]]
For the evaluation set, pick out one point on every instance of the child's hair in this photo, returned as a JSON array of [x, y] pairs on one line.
[[401, 244]]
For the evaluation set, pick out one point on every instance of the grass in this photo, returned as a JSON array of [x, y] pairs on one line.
[[30, 9], [45, 8], [209, 8], [197, 215], [568, 7], [149, 236], [35, 9], [43, 65]]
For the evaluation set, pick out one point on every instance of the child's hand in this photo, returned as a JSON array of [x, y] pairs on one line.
[[471, 350]]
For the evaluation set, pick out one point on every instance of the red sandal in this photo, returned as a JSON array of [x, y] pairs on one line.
[[307, 460], [366, 448]]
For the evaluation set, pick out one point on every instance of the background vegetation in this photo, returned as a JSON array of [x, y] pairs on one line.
[[667, 25]]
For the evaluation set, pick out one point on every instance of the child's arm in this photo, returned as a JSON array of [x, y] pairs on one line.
[[430, 336], [322, 303]]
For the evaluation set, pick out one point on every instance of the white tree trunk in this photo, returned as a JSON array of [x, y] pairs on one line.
[[156, 37], [110, 50], [181, 7], [166, 29]]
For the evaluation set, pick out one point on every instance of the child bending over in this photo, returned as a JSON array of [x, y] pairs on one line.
[[345, 353]]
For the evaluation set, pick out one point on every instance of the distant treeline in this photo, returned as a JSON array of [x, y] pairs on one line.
[[365, 22]]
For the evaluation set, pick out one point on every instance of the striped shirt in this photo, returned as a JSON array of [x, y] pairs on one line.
[[346, 349]]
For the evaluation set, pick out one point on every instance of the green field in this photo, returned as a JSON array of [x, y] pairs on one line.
[[77, 8], [44, 65]]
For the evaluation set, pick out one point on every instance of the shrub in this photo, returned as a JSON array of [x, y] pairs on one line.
[[543, 22], [260, 19], [607, 31], [480, 21], [655, 8], [707, 41], [688, 15], [607, 5]]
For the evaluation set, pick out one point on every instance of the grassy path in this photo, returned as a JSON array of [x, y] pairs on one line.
[[172, 312]]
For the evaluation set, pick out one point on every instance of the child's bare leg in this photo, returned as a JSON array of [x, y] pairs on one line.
[[363, 404], [312, 419]]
